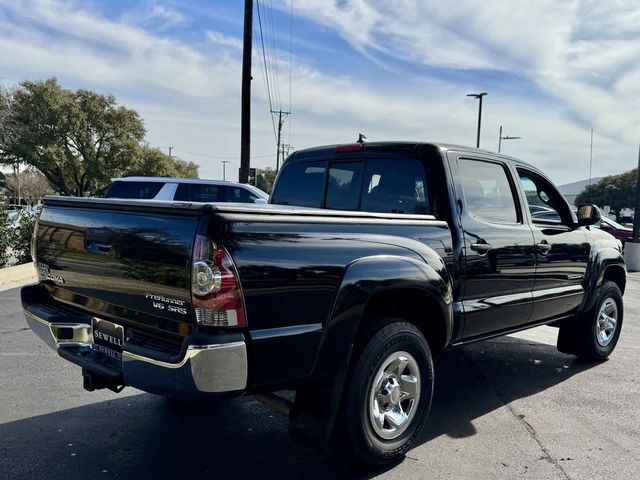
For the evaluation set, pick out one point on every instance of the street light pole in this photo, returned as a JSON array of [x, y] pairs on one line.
[[479, 97], [506, 137], [636, 214], [224, 169], [590, 156]]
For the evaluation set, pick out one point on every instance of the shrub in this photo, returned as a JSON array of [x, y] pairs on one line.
[[21, 244]]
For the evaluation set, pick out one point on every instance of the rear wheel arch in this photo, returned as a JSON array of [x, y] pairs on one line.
[[412, 305]]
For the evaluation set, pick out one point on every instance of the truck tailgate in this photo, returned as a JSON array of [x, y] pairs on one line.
[[123, 260]]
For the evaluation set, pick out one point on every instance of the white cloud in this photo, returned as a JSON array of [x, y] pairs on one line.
[[584, 53], [189, 94], [224, 40], [168, 14]]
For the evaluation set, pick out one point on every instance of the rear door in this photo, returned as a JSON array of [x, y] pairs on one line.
[[499, 261]]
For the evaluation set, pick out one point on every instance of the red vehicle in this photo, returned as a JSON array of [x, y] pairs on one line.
[[622, 233]]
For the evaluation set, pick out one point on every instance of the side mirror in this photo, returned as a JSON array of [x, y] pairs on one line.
[[588, 214], [260, 201]]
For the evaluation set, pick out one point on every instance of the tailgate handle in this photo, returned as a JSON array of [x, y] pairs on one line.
[[98, 241]]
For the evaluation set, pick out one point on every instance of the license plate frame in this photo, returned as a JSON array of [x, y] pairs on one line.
[[108, 337]]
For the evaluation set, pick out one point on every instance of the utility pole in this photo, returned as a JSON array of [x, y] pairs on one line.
[[479, 97], [285, 149], [280, 122], [590, 156], [170, 148], [506, 137], [224, 169], [245, 123]]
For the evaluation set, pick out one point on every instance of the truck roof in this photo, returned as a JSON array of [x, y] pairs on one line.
[[403, 146]]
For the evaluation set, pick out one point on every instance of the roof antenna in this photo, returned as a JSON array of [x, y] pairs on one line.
[[361, 138]]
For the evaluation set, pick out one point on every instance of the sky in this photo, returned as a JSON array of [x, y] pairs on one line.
[[391, 69]]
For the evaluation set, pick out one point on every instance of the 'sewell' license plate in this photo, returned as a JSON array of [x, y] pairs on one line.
[[108, 337]]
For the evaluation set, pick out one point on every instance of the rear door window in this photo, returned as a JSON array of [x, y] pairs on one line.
[[487, 191], [139, 190], [300, 184], [194, 192]]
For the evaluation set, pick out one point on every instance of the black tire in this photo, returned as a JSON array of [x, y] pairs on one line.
[[580, 335], [392, 336]]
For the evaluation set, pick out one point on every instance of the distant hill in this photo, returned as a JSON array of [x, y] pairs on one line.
[[573, 189]]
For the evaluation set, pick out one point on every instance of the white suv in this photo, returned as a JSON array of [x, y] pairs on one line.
[[184, 190]]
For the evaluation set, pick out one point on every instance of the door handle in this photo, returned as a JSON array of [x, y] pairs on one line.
[[543, 247], [481, 248]]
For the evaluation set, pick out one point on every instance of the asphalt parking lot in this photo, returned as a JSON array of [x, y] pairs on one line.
[[508, 408]]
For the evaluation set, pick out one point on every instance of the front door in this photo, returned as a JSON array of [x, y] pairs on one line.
[[562, 249], [499, 260]]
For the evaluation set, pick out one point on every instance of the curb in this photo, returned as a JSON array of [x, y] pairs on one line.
[[19, 276]]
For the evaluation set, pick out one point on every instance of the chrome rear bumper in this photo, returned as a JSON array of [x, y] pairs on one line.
[[204, 368]]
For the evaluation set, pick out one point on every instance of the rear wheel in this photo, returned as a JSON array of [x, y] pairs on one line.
[[595, 335], [390, 392]]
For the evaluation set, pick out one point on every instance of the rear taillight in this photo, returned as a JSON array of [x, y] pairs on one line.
[[215, 286]]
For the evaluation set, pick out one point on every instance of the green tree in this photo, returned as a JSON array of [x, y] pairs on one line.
[[617, 191], [265, 177], [152, 162], [78, 139]]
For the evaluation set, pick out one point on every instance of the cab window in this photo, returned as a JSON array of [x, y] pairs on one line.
[[543, 200]]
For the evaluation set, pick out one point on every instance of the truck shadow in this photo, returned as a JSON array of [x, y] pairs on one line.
[[143, 436]]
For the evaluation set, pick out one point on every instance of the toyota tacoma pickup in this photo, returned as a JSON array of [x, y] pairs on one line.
[[369, 261]]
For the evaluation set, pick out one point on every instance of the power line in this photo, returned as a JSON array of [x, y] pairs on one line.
[[236, 157], [265, 64], [290, 64], [274, 52], [264, 81]]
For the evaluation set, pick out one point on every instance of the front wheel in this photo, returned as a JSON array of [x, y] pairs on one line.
[[389, 395], [594, 336]]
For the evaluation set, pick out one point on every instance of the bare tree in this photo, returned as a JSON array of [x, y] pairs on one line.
[[30, 184]]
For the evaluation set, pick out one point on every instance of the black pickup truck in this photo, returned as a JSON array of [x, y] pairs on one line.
[[369, 261]]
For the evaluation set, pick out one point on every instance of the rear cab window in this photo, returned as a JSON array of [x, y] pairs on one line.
[[389, 185], [301, 184], [136, 190]]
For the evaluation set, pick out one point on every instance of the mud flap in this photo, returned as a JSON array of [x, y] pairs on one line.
[[314, 412]]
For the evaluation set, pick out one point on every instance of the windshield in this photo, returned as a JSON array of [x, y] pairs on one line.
[[614, 224]]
